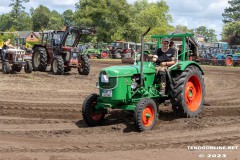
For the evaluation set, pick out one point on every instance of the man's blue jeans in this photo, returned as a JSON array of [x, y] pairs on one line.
[[4, 52]]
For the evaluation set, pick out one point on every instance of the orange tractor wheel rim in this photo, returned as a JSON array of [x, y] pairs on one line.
[[92, 56], [104, 54], [148, 116], [229, 61], [193, 93]]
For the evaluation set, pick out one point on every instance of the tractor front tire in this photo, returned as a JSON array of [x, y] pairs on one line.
[[90, 116], [145, 114], [6, 67], [84, 67], [117, 54], [28, 67], [189, 91], [57, 65], [39, 59]]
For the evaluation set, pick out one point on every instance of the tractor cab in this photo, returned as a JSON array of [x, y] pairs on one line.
[[135, 88]]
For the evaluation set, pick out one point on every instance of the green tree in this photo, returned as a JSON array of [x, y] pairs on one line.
[[10, 34], [68, 17], [107, 16], [17, 7], [183, 29], [231, 32], [208, 34], [231, 18], [232, 14], [40, 18], [55, 21], [5, 22], [153, 15], [19, 19]]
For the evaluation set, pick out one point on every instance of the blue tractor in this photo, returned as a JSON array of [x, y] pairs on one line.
[[222, 55]]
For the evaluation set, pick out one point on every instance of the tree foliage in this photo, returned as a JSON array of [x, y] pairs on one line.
[[40, 18], [231, 32], [55, 21], [231, 18], [17, 7], [183, 29], [68, 17], [232, 14], [208, 34]]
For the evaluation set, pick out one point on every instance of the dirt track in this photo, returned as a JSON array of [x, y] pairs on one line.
[[40, 118]]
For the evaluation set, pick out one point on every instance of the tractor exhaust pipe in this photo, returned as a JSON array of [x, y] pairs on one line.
[[142, 46]]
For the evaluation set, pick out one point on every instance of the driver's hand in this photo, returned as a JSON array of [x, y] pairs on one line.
[[154, 59]]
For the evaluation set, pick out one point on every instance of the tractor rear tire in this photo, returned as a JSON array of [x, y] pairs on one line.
[[85, 65], [90, 116], [117, 54], [189, 90], [28, 67], [57, 65], [104, 54], [39, 59], [6, 67], [145, 114]]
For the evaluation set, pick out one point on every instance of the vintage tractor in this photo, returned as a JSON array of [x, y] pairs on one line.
[[59, 48], [100, 50], [15, 61], [136, 88], [115, 49]]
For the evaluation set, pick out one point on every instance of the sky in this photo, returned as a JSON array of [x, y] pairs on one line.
[[191, 13]]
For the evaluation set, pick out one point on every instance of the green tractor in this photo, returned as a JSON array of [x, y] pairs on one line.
[[100, 50], [135, 88]]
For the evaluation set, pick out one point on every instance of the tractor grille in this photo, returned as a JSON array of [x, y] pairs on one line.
[[111, 84], [19, 57], [74, 56]]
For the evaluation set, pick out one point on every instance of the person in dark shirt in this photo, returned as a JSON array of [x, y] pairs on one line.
[[179, 52], [6, 45], [164, 57]]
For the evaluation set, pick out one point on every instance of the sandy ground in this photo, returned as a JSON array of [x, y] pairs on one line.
[[40, 118]]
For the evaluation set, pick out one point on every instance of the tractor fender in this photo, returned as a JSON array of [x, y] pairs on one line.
[[38, 45], [181, 66]]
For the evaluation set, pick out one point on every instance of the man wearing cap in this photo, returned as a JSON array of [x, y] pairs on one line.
[[164, 57]]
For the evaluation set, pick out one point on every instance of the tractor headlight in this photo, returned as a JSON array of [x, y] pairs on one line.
[[134, 85], [104, 78]]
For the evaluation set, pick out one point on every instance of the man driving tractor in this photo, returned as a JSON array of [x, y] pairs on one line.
[[164, 57]]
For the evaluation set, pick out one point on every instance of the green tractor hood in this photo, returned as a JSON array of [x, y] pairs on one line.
[[121, 71]]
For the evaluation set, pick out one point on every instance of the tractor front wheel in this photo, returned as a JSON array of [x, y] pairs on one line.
[[189, 90], [84, 66], [89, 113], [117, 54], [145, 114], [6, 67], [28, 67], [57, 65]]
